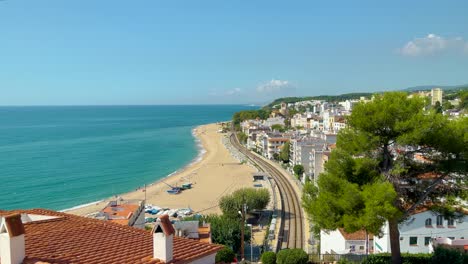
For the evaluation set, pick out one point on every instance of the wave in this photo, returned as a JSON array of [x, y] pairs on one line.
[[79, 206]]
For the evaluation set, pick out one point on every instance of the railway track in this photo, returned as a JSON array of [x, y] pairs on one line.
[[291, 233]]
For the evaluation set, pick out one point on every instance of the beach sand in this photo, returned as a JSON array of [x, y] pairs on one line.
[[217, 174]]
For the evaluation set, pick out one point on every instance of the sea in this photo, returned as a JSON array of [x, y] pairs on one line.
[[59, 157]]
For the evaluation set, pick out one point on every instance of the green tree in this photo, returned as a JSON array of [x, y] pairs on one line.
[[278, 127], [241, 116], [226, 231], [463, 100], [284, 153], [255, 199], [225, 255], [268, 257], [438, 108], [372, 175], [298, 170], [447, 105], [242, 137], [276, 156], [292, 256]]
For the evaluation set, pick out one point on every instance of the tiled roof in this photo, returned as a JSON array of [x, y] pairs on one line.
[[359, 235], [75, 239], [120, 213]]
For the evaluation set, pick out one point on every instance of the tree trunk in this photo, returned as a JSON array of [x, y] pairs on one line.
[[395, 241]]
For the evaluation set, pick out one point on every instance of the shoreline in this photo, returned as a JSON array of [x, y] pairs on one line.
[[211, 153], [198, 158]]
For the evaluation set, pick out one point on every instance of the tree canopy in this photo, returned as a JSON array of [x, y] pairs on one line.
[[240, 116], [226, 231], [284, 153], [298, 170], [292, 256], [374, 174], [255, 199], [278, 127]]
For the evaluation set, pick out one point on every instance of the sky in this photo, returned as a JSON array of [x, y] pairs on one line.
[[88, 52]]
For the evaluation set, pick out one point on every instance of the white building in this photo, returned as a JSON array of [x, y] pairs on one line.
[[416, 233], [274, 145], [302, 152], [340, 242], [278, 120]]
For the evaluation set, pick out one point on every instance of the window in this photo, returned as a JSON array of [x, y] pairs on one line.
[[427, 240], [413, 241], [452, 238], [450, 222], [429, 222], [440, 220], [361, 247]]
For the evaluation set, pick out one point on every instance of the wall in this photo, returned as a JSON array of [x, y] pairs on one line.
[[332, 241], [210, 259], [415, 226]]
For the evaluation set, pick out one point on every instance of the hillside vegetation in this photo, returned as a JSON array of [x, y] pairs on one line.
[[329, 98]]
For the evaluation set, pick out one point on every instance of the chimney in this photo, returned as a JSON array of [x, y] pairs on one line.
[[163, 236], [12, 243]]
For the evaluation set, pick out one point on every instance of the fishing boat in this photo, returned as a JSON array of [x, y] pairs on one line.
[[174, 190], [186, 186]]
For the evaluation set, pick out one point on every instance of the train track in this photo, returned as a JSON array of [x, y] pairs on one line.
[[291, 233]]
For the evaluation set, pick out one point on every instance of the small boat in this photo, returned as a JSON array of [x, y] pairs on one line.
[[186, 186], [174, 190]]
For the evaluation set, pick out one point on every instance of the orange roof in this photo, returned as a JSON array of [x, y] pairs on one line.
[[75, 239], [359, 235], [428, 176], [120, 213]]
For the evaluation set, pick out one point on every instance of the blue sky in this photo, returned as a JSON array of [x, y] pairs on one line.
[[203, 52]]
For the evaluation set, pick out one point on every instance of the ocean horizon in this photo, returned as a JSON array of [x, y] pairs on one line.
[[59, 157]]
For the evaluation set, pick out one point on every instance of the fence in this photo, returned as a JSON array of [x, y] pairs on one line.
[[330, 258]]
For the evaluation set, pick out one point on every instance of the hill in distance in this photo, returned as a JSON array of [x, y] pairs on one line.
[[429, 87], [351, 96]]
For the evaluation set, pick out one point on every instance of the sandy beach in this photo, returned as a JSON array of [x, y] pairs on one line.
[[218, 173]]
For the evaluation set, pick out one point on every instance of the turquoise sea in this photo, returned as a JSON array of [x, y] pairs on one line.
[[61, 157]]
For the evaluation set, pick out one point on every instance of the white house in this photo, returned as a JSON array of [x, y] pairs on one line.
[[416, 233], [340, 242]]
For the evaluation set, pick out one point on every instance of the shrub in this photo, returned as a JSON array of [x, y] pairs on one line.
[[445, 255], [225, 255], [292, 256], [406, 259], [268, 258]]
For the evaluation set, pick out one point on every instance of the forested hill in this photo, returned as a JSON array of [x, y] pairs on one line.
[[328, 98]]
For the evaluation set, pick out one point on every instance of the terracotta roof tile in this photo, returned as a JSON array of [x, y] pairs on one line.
[[75, 239], [359, 235]]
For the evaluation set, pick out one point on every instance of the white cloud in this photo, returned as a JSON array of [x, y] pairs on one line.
[[432, 44], [234, 91], [274, 86]]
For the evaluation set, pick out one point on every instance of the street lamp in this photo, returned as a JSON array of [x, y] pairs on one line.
[[251, 242], [242, 213]]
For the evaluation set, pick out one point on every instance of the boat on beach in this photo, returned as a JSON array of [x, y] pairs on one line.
[[186, 186], [174, 190]]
